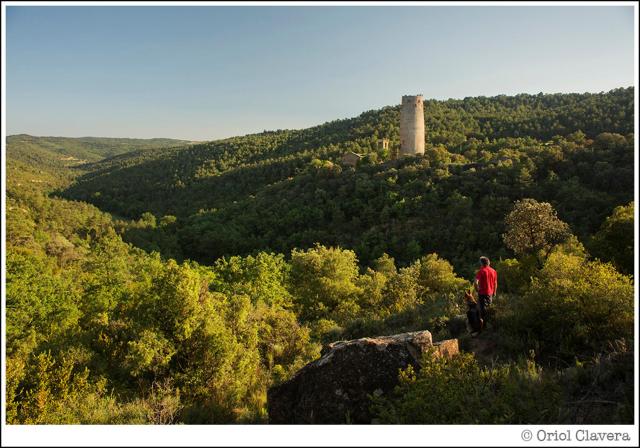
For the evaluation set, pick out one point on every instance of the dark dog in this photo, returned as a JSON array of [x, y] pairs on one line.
[[476, 323]]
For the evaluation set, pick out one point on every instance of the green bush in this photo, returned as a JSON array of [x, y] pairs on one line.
[[323, 279], [55, 391], [602, 389], [436, 275], [459, 391], [614, 240], [515, 274], [573, 307]]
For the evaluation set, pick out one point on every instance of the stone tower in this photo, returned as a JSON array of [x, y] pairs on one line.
[[411, 125]]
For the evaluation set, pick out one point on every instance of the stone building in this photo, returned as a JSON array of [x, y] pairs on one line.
[[383, 144], [351, 158]]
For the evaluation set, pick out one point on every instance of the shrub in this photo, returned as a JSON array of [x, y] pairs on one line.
[[54, 391], [459, 391], [574, 307], [322, 278], [515, 275], [614, 240], [436, 275]]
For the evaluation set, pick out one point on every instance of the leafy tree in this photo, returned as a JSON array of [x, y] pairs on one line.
[[150, 352], [322, 279], [435, 275], [263, 278], [533, 228], [614, 240], [385, 265]]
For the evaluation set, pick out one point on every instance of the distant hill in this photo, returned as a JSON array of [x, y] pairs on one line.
[[46, 163], [66, 151]]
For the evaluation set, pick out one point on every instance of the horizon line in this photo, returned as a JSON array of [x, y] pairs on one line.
[[319, 124]]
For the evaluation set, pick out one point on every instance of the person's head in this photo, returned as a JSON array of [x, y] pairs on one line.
[[484, 261]]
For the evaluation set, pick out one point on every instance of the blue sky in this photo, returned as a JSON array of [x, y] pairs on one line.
[[207, 72]]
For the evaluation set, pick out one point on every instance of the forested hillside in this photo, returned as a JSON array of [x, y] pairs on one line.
[[63, 151], [176, 284], [87, 339], [285, 189]]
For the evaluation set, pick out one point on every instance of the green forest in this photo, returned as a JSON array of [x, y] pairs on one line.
[[165, 281]]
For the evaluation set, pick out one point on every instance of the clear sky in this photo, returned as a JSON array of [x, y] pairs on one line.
[[207, 72]]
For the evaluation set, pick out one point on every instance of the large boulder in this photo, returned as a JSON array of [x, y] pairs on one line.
[[336, 387]]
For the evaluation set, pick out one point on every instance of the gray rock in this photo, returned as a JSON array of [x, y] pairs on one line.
[[336, 387]]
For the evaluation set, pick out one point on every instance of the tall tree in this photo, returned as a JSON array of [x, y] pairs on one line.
[[533, 228]]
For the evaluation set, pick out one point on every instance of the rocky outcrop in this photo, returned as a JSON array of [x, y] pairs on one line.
[[336, 387]]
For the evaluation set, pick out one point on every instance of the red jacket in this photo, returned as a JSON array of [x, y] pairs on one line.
[[487, 281]]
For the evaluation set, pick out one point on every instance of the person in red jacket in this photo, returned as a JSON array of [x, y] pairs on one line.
[[486, 284]]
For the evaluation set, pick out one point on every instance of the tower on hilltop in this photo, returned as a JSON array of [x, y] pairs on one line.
[[412, 125]]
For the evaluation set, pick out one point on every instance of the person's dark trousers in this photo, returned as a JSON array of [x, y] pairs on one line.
[[485, 301]]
